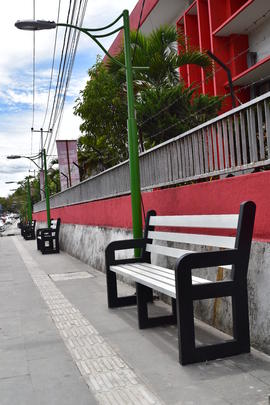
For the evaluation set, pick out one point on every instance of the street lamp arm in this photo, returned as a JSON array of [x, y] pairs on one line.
[[33, 162], [93, 37], [109, 33], [106, 26], [26, 157]]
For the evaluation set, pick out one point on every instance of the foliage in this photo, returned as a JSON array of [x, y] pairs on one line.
[[159, 52], [103, 109], [18, 200], [181, 110], [164, 106]]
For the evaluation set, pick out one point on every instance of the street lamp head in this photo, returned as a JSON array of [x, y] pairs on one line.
[[13, 157], [10, 182], [35, 25]]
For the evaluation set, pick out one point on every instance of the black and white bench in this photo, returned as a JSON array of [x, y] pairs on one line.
[[48, 238], [28, 230], [180, 284]]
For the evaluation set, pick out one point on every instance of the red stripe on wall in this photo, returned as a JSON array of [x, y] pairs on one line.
[[217, 197]]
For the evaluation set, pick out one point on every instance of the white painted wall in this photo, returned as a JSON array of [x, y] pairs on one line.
[[259, 40], [165, 12]]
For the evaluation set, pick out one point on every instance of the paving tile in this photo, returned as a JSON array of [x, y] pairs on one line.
[[51, 371], [66, 394], [17, 391], [151, 355], [13, 359], [45, 346], [10, 326]]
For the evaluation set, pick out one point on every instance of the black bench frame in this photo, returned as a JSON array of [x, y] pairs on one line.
[[186, 293], [48, 238], [28, 230]]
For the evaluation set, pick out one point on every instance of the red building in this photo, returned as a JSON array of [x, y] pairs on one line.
[[235, 31]]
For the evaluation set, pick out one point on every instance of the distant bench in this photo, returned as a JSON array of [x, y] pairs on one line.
[[180, 284], [48, 238], [28, 230]]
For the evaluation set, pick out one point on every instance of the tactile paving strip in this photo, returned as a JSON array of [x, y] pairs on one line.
[[109, 378]]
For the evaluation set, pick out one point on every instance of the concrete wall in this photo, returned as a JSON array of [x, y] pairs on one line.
[[87, 228]]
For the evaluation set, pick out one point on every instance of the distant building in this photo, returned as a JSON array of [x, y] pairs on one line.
[[236, 31]]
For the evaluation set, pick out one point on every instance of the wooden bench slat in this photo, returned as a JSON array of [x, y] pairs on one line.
[[167, 273], [167, 251], [147, 276], [159, 271], [163, 288], [173, 252], [204, 240], [146, 271], [229, 221]]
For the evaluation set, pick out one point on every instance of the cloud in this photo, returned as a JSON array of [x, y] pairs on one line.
[[16, 76]]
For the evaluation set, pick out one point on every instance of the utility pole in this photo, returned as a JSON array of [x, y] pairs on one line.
[[42, 180]]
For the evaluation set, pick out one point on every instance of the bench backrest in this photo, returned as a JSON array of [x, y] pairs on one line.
[[55, 224], [241, 223]]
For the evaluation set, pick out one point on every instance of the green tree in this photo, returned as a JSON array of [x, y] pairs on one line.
[[159, 52], [165, 106], [160, 88], [102, 107]]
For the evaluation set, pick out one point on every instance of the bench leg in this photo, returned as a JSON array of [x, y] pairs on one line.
[[113, 300], [143, 295], [188, 352], [241, 319]]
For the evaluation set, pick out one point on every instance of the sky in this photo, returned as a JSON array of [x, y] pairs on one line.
[[16, 77]]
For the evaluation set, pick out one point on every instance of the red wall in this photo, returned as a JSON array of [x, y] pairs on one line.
[[133, 21], [219, 196]]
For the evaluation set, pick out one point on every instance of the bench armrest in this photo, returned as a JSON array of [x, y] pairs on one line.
[[199, 260], [123, 245], [183, 274]]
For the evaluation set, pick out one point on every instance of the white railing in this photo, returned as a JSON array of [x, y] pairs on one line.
[[236, 141]]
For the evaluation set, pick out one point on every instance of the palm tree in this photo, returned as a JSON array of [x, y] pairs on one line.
[[159, 52], [160, 88]]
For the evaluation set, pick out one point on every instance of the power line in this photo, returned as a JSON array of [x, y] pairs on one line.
[[204, 108], [60, 68], [70, 64], [65, 66], [34, 75], [52, 68]]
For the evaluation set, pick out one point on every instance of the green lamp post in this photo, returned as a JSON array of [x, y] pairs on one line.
[[35, 25], [29, 200]]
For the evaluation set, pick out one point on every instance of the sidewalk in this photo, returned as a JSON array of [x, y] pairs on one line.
[[59, 344]]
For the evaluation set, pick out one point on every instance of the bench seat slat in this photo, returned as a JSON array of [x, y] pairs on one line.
[[147, 274], [229, 221], [167, 273], [147, 271], [205, 240], [163, 288]]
